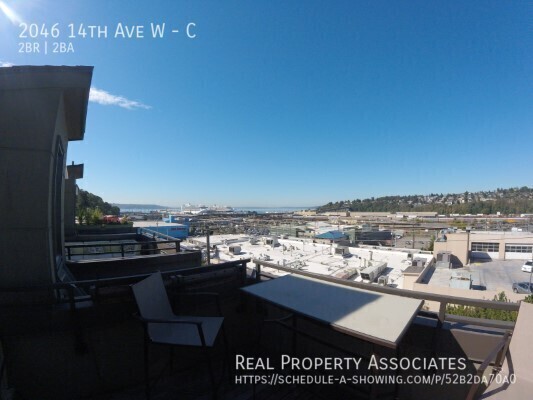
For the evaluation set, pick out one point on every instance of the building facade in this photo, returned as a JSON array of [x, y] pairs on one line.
[[42, 109], [487, 245]]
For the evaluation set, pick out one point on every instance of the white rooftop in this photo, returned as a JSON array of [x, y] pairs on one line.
[[317, 258]]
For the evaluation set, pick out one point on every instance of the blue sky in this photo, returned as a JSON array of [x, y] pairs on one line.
[[295, 103]]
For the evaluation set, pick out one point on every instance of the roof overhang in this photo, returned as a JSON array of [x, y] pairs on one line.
[[75, 82]]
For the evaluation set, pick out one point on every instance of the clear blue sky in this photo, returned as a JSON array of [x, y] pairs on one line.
[[296, 103]]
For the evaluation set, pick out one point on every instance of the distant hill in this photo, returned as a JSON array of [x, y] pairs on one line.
[[139, 206], [87, 200], [506, 201]]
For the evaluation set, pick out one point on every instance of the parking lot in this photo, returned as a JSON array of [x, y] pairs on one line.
[[491, 275], [496, 275]]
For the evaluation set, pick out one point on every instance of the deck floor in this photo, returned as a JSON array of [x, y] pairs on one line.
[[193, 383]]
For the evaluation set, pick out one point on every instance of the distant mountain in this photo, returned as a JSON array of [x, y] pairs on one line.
[[506, 201], [139, 206]]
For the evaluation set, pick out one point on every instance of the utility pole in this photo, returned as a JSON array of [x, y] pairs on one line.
[[413, 246], [531, 271], [208, 246], [468, 245]]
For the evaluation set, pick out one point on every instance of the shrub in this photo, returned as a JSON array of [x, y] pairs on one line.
[[485, 313]]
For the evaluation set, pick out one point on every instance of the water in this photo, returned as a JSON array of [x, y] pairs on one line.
[[269, 210], [259, 210]]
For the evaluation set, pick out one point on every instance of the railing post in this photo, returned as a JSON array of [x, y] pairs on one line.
[[258, 272], [442, 314], [96, 293], [243, 272], [68, 253], [122, 249], [71, 300], [440, 323], [501, 354], [208, 248]]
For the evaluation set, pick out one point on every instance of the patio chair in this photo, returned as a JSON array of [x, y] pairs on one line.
[[517, 364], [162, 326]]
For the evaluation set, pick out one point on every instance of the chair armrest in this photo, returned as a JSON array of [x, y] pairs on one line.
[[214, 294], [282, 319], [198, 324], [165, 320]]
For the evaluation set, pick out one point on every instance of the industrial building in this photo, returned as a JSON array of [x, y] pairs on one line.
[[486, 245], [172, 229]]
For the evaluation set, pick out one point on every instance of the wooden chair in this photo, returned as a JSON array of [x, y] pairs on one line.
[[162, 326]]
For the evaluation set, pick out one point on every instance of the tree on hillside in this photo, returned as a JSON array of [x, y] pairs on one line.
[[506, 201], [88, 201]]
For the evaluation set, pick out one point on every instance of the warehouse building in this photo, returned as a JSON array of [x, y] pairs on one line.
[[479, 246]]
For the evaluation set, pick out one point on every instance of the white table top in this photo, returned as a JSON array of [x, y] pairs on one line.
[[375, 317]]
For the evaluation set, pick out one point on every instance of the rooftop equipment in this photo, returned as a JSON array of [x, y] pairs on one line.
[[234, 249], [383, 280], [342, 250], [444, 256], [372, 272], [272, 241]]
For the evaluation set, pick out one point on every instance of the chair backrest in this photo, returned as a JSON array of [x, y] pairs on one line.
[[151, 297], [520, 348]]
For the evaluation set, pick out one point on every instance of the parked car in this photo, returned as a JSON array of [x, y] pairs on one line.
[[523, 287], [528, 266]]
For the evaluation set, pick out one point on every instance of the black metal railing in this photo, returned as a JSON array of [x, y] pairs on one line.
[[68, 292], [150, 247]]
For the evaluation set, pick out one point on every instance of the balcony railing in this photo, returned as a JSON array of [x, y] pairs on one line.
[[69, 292], [148, 247], [443, 300]]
